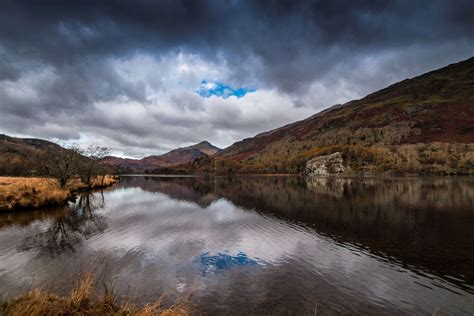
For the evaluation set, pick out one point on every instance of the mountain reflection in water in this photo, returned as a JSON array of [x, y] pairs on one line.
[[418, 221], [260, 245]]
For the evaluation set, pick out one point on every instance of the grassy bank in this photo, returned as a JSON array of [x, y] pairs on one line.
[[21, 193], [82, 301]]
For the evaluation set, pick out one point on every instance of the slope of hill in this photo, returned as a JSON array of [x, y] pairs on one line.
[[423, 124], [38, 157], [172, 158], [17, 154]]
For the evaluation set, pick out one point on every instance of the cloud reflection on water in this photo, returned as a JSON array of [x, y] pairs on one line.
[[253, 241]]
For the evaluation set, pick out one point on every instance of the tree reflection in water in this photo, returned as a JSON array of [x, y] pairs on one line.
[[66, 233]]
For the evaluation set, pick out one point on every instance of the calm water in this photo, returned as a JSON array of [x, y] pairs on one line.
[[258, 245]]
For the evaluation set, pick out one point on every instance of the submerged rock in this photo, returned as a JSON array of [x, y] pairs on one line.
[[325, 165]]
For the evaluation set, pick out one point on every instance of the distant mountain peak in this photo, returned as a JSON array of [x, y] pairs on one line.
[[209, 148], [171, 158], [205, 142]]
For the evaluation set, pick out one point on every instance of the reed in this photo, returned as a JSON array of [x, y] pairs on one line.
[[82, 301], [23, 193]]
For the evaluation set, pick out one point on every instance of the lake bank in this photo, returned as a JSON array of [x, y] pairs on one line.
[[20, 193], [83, 300]]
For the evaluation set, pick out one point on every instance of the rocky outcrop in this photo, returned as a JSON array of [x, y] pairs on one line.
[[325, 165]]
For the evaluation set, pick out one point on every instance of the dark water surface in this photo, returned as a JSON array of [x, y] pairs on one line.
[[258, 245]]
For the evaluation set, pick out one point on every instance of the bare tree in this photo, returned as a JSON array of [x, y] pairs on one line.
[[104, 170], [62, 164], [92, 167]]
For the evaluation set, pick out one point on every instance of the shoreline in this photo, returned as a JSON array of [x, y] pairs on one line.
[[31, 193], [341, 175]]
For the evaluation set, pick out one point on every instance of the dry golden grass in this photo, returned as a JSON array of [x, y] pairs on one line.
[[82, 301], [30, 192], [76, 184], [16, 193]]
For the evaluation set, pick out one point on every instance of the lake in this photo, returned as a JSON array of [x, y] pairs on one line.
[[257, 245]]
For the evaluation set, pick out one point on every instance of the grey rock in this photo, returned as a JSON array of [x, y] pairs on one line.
[[325, 165]]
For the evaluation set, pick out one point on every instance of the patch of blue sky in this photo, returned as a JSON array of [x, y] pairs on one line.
[[220, 262], [209, 88]]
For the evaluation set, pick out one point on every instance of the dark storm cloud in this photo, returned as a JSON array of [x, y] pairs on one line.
[[64, 53], [286, 36]]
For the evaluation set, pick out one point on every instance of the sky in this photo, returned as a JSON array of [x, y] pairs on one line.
[[143, 77]]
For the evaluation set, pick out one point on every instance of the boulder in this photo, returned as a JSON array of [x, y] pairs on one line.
[[325, 165]]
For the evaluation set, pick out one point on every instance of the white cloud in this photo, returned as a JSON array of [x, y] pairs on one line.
[[173, 114]]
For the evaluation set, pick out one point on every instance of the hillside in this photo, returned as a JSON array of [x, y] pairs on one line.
[[17, 155], [36, 157], [419, 125], [175, 157]]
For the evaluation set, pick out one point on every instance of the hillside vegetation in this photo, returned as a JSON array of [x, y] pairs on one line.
[[419, 125], [20, 156]]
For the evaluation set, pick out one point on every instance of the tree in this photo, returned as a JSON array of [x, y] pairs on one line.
[[91, 167], [61, 165], [104, 170]]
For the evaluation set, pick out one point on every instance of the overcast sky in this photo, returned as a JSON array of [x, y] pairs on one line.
[[144, 77]]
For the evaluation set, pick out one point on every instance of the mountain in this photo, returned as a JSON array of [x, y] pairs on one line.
[[172, 158], [22, 156], [15, 153], [419, 125]]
